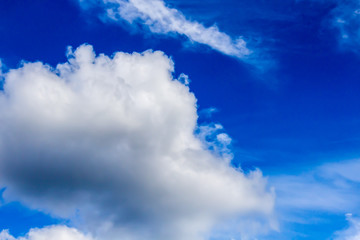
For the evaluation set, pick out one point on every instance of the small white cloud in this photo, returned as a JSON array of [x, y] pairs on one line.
[[183, 78], [224, 139], [112, 141], [49, 233]]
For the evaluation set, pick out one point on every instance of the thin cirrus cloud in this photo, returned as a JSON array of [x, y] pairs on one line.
[[331, 187], [160, 19], [113, 145], [1, 69], [345, 18]]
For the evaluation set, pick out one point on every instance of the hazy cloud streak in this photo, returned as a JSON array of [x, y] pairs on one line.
[[160, 19]]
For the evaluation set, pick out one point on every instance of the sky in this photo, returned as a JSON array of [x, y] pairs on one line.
[[179, 119]]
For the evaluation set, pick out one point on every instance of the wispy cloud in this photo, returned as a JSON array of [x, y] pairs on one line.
[[157, 17], [208, 112], [332, 187], [346, 19]]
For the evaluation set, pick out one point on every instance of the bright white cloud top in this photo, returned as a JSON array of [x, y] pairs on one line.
[[160, 19], [109, 143]]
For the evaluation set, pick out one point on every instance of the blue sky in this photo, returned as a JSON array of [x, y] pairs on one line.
[[281, 78]]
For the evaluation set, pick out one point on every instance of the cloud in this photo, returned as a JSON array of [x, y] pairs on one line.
[[317, 196], [348, 170], [216, 140], [52, 232], [208, 112], [160, 19], [113, 145], [346, 19], [352, 232], [331, 187]]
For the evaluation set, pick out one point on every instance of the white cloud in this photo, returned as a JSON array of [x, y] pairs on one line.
[[4, 235], [352, 232], [109, 143], [158, 18], [48, 233]]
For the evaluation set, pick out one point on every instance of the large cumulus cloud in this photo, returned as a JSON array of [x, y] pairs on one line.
[[109, 143]]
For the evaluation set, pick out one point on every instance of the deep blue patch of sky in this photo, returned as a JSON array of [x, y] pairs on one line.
[[18, 219]]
